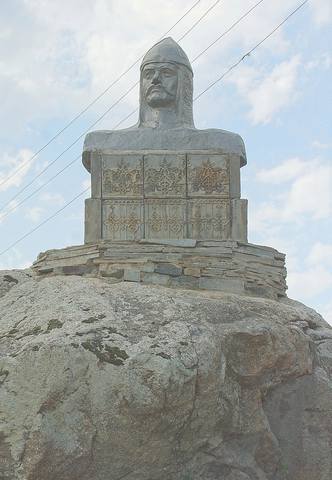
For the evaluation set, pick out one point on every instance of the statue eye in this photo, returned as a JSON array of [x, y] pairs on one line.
[[148, 73], [167, 72]]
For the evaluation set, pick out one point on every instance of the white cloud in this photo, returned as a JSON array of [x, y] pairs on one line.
[[307, 193], [34, 214], [68, 51], [86, 184], [321, 253], [286, 171], [268, 93], [5, 212], [56, 199], [322, 11], [306, 284], [326, 312], [14, 259], [321, 145], [323, 61], [14, 168]]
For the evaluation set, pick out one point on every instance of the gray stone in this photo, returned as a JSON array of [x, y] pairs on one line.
[[104, 381], [112, 272], [239, 220], [93, 221], [251, 270], [46, 269], [234, 285], [184, 281], [156, 278], [11, 278], [132, 275], [163, 178], [185, 242], [168, 269], [191, 271]]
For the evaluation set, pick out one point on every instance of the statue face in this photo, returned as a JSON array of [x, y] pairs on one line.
[[160, 84]]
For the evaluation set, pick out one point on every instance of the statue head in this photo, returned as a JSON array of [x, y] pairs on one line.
[[166, 87]]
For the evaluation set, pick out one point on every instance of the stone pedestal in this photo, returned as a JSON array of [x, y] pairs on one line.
[[223, 265], [165, 194]]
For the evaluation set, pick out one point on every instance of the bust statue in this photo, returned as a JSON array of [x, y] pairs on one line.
[[165, 113], [166, 204], [163, 178]]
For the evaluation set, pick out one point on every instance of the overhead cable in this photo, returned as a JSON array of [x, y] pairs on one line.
[[93, 102], [84, 133], [14, 207], [198, 96]]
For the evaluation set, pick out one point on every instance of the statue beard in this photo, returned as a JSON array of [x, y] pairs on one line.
[[164, 98]]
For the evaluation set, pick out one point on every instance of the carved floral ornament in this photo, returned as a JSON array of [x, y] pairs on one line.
[[165, 176], [124, 179], [169, 216], [208, 177], [167, 179]]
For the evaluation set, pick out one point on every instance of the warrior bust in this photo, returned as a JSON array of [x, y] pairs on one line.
[[165, 113], [166, 204]]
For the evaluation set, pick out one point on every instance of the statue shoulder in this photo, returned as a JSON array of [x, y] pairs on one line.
[[97, 141], [229, 142]]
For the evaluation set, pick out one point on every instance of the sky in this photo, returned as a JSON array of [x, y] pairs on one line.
[[57, 57]]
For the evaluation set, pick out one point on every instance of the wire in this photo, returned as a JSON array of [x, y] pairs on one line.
[[45, 221], [14, 207], [198, 96], [198, 21], [66, 150], [252, 50], [228, 30], [203, 51], [85, 109], [85, 132]]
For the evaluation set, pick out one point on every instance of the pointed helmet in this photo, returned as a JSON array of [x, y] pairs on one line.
[[167, 50], [181, 114]]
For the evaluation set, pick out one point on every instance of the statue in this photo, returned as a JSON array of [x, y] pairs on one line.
[[163, 178], [165, 122], [166, 204]]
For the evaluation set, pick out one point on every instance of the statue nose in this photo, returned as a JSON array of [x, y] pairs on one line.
[[156, 78]]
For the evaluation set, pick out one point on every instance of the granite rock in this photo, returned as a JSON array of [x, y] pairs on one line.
[[110, 381]]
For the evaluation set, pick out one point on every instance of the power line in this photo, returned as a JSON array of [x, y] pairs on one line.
[[199, 20], [93, 102], [252, 50], [118, 124], [45, 221], [205, 50], [68, 148], [198, 96], [228, 30], [86, 131]]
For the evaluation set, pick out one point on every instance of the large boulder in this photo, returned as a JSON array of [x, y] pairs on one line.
[[102, 381]]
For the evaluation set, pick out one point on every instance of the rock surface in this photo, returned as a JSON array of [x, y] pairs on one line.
[[103, 381]]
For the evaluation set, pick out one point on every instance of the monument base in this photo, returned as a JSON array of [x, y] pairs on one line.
[[228, 266]]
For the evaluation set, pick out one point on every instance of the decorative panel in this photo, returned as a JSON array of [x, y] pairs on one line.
[[165, 218], [164, 175], [122, 176], [208, 175], [209, 219], [123, 220]]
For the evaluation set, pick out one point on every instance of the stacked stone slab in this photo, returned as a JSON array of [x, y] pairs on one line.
[[208, 265]]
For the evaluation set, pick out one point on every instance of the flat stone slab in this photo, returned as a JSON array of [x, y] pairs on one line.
[[227, 266]]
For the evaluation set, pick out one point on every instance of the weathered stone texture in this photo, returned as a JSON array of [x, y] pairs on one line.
[[166, 195], [219, 265], [102, 381]]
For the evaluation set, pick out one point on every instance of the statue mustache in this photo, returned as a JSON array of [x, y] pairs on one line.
[[158, 87]]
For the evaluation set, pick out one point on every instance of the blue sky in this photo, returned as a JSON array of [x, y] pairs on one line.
[[56, 57]]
